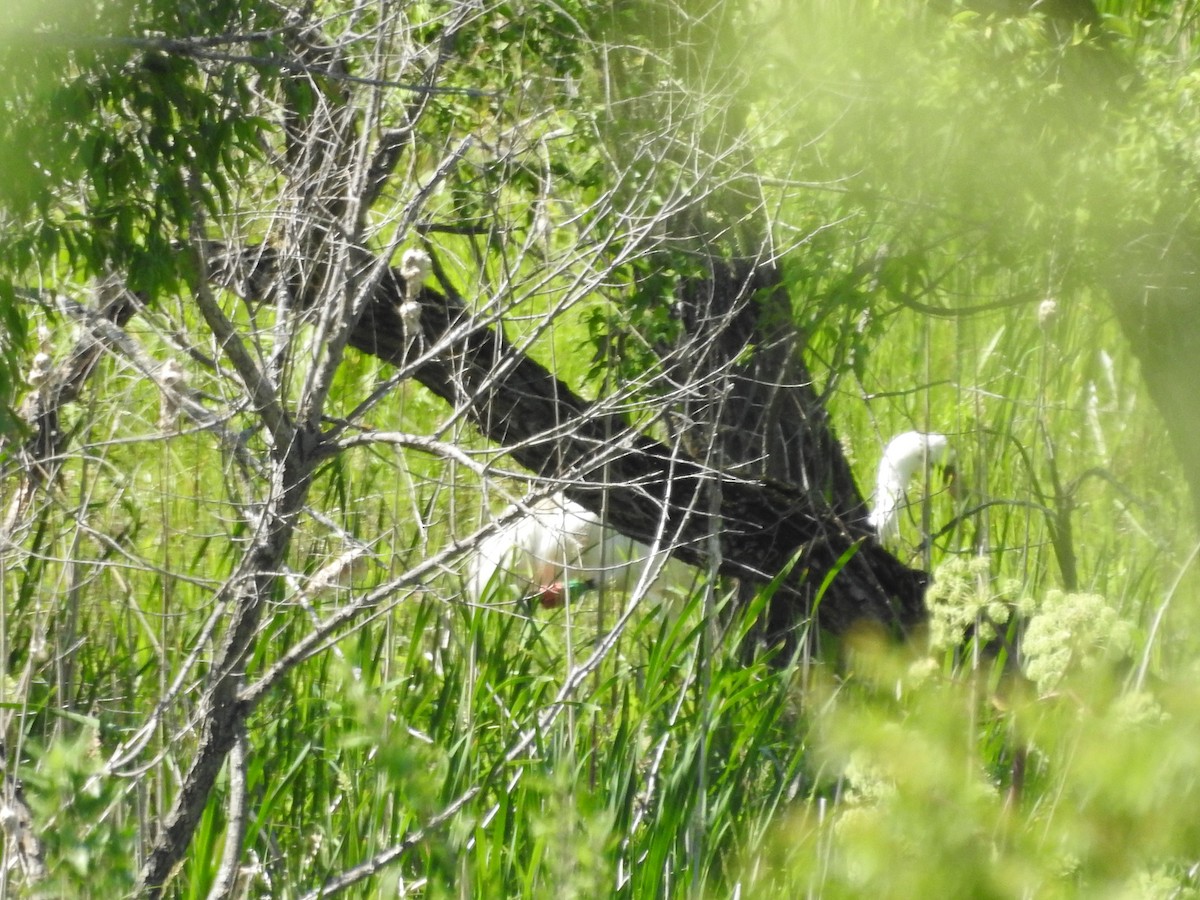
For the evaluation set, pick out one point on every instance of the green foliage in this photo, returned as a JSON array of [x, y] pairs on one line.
[[80, 816], [109, 144], [1088, 793], [915, 163]]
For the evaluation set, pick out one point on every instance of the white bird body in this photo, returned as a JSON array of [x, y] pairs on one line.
[[904, 456], [558, 542]]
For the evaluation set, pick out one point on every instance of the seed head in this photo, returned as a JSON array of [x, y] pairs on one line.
[[1047, 312], [415, 265]]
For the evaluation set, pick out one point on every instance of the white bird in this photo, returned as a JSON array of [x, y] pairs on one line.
[[559, 547], [556, 549], [904, 456]]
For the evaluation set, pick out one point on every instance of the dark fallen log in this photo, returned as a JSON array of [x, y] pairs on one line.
[[46, 443], [643, 487], [764, 527]]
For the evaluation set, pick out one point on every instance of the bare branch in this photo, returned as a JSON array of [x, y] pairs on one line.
[[263, 394], [225, 885]]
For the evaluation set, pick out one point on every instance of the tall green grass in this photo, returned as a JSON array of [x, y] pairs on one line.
[[586, 752]]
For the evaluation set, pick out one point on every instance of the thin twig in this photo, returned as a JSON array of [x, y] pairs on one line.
[[237, 810]]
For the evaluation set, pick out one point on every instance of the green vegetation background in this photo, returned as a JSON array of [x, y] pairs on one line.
[[672, 765]]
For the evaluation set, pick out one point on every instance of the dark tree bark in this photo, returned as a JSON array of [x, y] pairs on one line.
[[553, 432], [764, 525], [771, 421], [47, 442], [1154, 286], [642, 486], [750, 409], [756, 413]]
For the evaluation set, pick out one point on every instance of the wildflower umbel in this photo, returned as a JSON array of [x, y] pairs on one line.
[[1072, 630], [966, 599]]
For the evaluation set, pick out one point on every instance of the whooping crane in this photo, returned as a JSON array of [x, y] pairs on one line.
[[904, 456], [560, 548]]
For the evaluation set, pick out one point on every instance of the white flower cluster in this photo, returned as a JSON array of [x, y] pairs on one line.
[[867, 782], [1136, 710], [171, 379], [964, 596], [410, 315], [1072, 630], [1064, 629], [1047, 313], [415, 266]]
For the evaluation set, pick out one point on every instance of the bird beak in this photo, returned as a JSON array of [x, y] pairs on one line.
[[552, 596], [555, 594], [951, 481]]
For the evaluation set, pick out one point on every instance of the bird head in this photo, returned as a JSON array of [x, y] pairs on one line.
[[555, 594]]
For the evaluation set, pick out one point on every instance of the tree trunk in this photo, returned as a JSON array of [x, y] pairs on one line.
[[764, 526], [1154, 286], [755, 412], [749, 408], [1151, 272]]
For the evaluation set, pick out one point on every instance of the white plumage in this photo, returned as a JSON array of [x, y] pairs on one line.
[[904, 456], [558, 546]]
